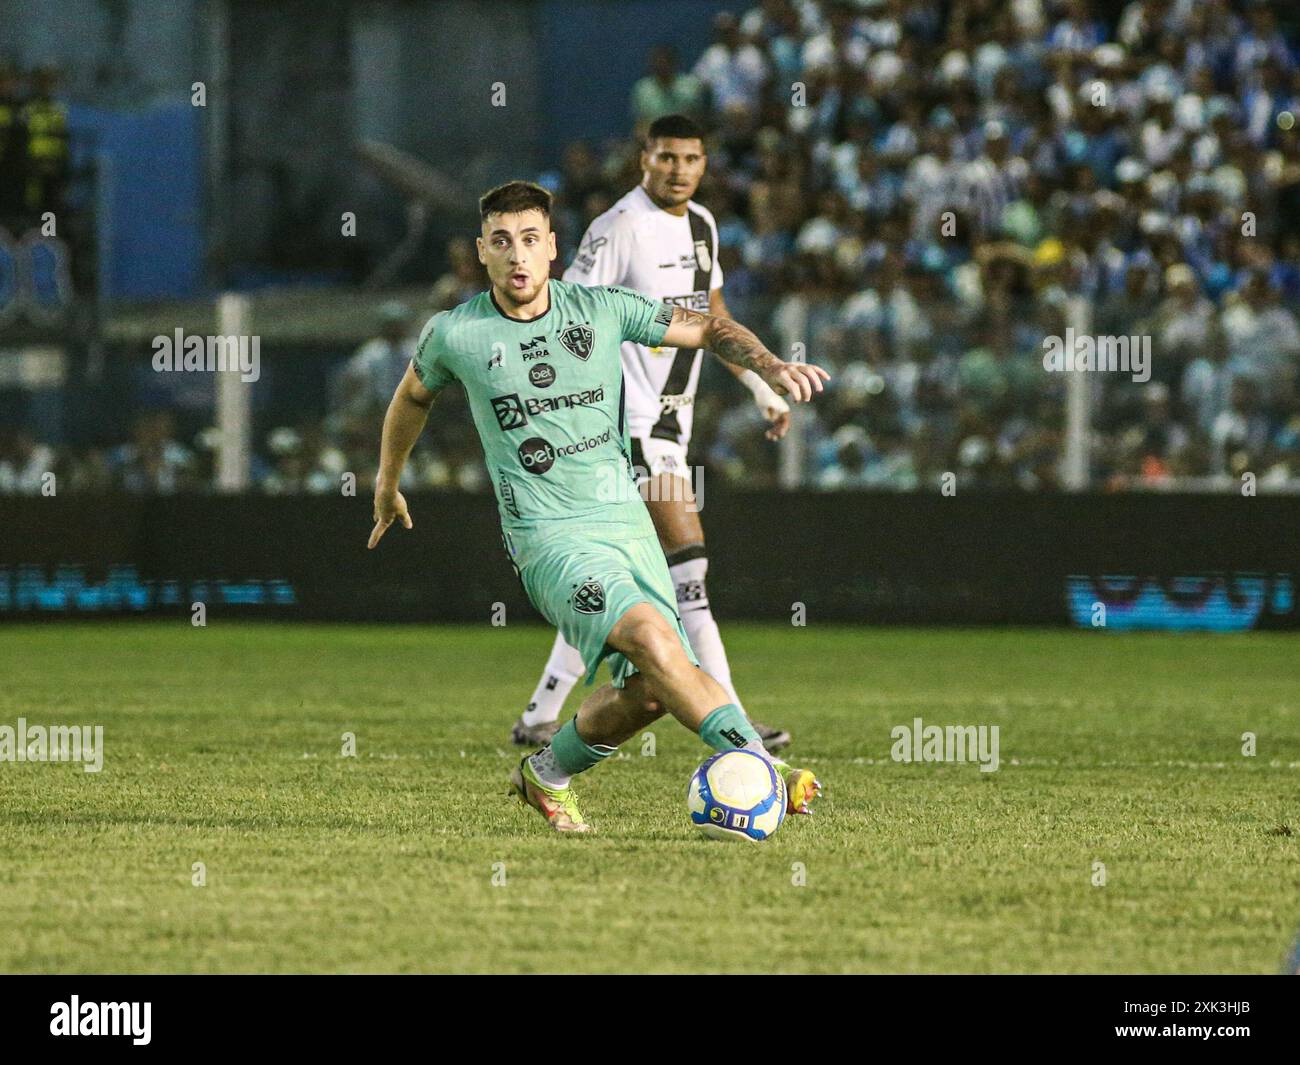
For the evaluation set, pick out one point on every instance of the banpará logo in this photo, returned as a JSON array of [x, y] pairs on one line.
[[946, 743], [103, 1018], [208, 354], [55, 743], [509, 411], [546, 404], [1109, 354], [542, 375]]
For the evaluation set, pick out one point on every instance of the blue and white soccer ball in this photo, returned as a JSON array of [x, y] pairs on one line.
[[737, 795]]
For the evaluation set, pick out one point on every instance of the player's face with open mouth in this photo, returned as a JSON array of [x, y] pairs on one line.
[[517, 250], [673, 167]]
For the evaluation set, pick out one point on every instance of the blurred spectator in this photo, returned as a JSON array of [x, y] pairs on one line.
[[1185, 319], [154, 462], [665, 91], [366, 383], [1240, 433], [464, 279], [23, 463], [1263, 339], [733, 69], [303, 462]]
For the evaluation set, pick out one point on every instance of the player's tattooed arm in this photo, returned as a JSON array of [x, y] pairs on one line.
[[733, 343], [403, 423], [775, 409], [719, 309], [725, 337]]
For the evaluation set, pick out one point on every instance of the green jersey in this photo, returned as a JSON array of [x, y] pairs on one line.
[[547, 398]]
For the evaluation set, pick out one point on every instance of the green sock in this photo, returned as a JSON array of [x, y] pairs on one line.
[[727, 728], [572, 753]]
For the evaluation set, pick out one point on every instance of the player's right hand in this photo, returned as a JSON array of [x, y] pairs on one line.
[[389, 507], [797, 380]]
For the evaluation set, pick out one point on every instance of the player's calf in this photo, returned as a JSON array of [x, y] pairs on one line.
[[613, 715]]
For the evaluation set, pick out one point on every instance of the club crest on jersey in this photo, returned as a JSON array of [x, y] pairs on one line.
[[497, 360], [590, 598], [579, 340], [703, 257]]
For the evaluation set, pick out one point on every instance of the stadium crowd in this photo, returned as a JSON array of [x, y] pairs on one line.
[[920, 193], [924, 192]]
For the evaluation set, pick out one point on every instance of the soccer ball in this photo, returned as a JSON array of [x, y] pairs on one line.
[[736, 795]]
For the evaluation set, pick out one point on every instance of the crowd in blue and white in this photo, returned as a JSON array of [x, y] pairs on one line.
[[921, 192]]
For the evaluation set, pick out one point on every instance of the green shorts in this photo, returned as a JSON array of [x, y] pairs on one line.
[[583, 579]]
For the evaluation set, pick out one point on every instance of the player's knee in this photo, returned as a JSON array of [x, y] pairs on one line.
[[651, 644]]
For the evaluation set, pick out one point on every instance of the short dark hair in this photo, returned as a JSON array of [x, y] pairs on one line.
[[514, 197], [679, 126]]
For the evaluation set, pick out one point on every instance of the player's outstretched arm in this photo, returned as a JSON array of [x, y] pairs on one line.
[[732, 342], [774, 408], [403, 423]]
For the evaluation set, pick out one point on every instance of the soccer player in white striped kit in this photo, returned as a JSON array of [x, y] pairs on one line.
[[656, 241]]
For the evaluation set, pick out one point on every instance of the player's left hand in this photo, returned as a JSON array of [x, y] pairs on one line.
[[798, 380], [390, 506], [780, 422]]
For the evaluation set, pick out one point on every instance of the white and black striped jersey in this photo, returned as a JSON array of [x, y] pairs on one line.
[[669, 257]]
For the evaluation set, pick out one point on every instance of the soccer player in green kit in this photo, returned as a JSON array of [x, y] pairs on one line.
[[540, 363]]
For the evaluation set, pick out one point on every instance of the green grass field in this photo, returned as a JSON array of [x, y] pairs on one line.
[[223, 747]]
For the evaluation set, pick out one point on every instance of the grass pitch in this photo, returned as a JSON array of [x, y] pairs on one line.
[[223, 748]]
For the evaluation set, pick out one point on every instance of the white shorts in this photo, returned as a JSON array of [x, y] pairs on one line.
[[651, 457]]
